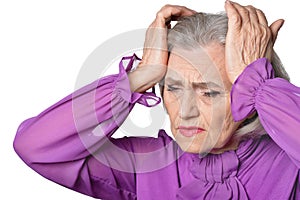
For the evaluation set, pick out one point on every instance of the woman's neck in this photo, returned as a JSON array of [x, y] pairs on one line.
[[233, 144]]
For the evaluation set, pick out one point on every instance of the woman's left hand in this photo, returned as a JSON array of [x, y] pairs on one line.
[[248, 38]]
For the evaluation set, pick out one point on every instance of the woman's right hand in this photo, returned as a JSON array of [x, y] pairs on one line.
[[153, 65]]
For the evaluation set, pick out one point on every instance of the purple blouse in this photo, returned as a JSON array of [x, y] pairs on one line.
[[70, 143]]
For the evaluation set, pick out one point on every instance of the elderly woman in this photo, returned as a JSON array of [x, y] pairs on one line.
[[234, 120]]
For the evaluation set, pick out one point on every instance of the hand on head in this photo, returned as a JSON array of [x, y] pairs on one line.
[[249, 37], [153, 66]]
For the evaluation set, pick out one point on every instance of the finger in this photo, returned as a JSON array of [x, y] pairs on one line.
[[275, 27], [234, 18], [262, 18], [186, 11], [252, 14], [242, 11], [172, 12]]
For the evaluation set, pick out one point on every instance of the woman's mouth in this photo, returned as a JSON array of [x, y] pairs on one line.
[[189, 131]]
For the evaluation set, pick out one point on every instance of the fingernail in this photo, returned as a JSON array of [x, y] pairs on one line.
[[282, 22], [227, 1]]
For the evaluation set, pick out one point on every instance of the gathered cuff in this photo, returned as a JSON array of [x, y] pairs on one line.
[[148, 99], [276, 101], [248, 86]]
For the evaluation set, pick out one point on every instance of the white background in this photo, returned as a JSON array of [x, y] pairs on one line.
[[43, 45]]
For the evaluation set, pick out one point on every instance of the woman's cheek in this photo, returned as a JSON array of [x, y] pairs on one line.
[[172, 106], [218, 110], [227, 125]]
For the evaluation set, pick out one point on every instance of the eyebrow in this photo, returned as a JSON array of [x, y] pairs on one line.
[[209, 84], [173, 81], [206, 85]]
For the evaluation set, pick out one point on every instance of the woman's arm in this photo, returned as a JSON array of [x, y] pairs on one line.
[[276, 101], [249, 42], [59, 142], [66, 142]]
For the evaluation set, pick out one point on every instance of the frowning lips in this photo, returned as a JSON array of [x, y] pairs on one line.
[[189, 131]]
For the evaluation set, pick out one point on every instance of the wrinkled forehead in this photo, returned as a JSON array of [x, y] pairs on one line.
[[188, 56], [205, 64], [193, 61]]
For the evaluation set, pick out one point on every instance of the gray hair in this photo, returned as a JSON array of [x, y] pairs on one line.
[[202, 29]]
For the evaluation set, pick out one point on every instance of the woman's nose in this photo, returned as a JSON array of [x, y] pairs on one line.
[[189, 106]]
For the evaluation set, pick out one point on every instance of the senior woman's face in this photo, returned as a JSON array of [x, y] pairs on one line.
[[197, 98]]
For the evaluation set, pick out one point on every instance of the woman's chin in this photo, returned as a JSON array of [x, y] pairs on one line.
[[193, 144], [191, 147]]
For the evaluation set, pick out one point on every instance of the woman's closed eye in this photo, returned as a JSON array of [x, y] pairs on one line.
[[173, 88], [204, 92], [211, 93]]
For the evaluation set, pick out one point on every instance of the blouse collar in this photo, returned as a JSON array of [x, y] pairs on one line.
[[216, 174]]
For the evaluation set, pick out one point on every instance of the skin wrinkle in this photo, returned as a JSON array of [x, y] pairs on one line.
[[188, 106]]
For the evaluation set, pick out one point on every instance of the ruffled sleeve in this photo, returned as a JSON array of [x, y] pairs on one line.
[[276, 101]]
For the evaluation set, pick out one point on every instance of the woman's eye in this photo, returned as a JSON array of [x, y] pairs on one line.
[[211, 93], [172, 88]]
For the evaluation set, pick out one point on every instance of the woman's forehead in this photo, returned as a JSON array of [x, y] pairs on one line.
[[205, 64], [184, 77], [189, 57], [204, 55]]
